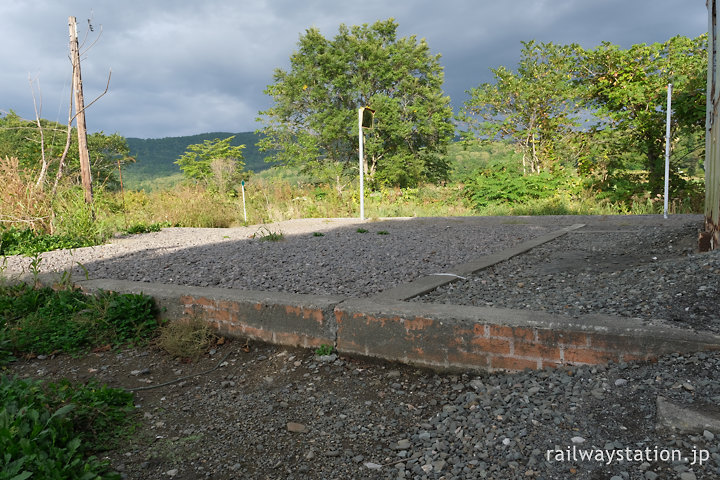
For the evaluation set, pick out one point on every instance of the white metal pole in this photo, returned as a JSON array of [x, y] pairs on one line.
[[242, 185], [361, 155], [667, 149]]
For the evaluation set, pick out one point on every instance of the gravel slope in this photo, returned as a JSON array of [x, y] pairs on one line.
[[275, 412]]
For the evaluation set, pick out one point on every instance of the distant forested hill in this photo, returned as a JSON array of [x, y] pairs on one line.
[[156, 156]]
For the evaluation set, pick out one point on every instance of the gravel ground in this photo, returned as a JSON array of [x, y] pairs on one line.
[[265, 412], [315, 256], [628, 271], [279, 413]]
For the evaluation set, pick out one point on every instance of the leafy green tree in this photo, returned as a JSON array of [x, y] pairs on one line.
[[21, 138], [215, 162], [627, 90], [313, 122], [535, 108]]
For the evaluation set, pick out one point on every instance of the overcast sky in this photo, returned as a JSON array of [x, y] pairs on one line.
[[182, 67]]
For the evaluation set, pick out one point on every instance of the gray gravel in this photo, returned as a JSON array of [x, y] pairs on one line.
[[630, 271], [286, 413], [315, 256]]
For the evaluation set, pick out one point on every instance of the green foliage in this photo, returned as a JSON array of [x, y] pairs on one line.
[[627, 89], [6, 351], [536, 108], [15, 241], [156, 157], [313, 122], [504, 183], [264, 234], [21, 138], [43, 321], [49, 431], [214, 161], [142, 228], [324, 350]]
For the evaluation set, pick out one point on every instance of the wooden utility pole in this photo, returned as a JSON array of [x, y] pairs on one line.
[[85, 175]]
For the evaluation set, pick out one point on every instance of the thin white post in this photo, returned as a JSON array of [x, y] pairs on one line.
[[361, 162], [242, 185], [667, 149]]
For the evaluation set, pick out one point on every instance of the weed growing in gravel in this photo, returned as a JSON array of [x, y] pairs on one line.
[[264, 234], [324, 350], [318, 234], [50, 431], [143, 228], [186, 338], [361, 230], [43, 321], [35, 267], [383, 232]]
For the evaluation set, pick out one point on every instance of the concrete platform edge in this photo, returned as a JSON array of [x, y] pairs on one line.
[[453, 337]]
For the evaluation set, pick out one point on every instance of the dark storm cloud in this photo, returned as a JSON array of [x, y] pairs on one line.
[[182, 67]]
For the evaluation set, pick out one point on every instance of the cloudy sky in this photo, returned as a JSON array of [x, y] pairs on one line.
[[182, 67]]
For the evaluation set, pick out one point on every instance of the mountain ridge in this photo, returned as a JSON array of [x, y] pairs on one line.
[[155, 157]]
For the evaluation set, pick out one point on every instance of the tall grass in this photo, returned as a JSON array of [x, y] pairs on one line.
[[22, 204]]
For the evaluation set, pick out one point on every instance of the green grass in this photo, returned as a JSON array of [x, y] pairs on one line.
[[15, 241], [53, 430], [324, 350], [143, 228], [485, 180], [43, 321], [264, 234]]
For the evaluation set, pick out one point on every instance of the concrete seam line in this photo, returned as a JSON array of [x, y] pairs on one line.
[[407, 291]]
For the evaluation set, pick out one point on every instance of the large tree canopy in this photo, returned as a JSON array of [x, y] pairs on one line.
[[313, 122], [21, 138], [535, 109], [214, 162], [627, 89]]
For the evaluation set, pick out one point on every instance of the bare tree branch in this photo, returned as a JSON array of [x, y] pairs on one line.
[[68, 138], [44, 167]]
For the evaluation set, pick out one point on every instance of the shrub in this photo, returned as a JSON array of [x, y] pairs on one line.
[[50, 431], [43, 321], [21, 202], [501, 183], [186, 339], [15, 241]]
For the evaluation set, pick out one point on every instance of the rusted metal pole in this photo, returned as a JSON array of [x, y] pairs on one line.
[[85, 174]]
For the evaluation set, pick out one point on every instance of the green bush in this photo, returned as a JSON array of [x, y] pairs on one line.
[[142, 228], [15, 241], [50, 431], [43, 321], [502, 183]]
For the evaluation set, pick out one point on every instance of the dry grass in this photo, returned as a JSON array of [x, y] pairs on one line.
[[187, 338], [22, 204]]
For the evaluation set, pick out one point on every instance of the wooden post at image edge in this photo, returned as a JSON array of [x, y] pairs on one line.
[[85, 174]]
